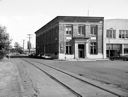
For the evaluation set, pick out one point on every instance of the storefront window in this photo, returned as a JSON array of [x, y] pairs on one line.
[[125, 50]]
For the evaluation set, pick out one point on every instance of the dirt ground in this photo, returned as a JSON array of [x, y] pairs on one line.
[[113, 73], [9, 82]]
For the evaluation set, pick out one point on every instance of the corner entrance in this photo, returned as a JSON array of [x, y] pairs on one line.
[[81, 49]]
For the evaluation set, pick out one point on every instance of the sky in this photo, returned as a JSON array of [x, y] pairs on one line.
[[23, 17]]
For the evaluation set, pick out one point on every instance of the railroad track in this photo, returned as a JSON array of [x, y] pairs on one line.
[[52, 77], [64, 85]]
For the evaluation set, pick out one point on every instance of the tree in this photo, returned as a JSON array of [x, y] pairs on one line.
[[18, 48], [4, 42]]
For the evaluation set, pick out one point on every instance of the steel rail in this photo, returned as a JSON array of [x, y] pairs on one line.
[[109, 91], [55, 79]]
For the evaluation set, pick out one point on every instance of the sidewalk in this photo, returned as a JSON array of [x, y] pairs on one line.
[[84, 59], [9, 80]]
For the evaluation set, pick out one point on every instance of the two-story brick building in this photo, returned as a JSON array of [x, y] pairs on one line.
[[71, 37]]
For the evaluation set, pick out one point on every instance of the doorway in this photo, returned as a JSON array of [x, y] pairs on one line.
[[81, 50]]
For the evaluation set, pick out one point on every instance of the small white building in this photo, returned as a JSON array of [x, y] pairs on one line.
[[115, 37]]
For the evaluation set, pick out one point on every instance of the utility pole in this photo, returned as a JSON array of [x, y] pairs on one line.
[[23, 45], [29, 43]]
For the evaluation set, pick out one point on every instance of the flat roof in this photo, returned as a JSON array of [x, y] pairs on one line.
[[78, 18], [72, 19]]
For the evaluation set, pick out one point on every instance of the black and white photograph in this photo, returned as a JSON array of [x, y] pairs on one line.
[[63, 48]]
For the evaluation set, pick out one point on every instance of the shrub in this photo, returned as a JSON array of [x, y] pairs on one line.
[[4, 42], [2, 54]]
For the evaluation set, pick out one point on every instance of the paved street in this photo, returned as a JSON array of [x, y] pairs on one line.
[[38, 84], [112, 73], [29, 81]]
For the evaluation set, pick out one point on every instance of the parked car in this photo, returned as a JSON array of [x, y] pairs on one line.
[[121, 57], [46, 57], [32, 55]]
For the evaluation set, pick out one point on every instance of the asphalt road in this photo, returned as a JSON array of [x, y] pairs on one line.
[[38, 84], [112, 73]]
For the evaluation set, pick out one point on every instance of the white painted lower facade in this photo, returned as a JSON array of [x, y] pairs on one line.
[[87, 54]]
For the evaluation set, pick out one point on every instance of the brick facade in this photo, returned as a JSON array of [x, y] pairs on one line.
[[52, 39]]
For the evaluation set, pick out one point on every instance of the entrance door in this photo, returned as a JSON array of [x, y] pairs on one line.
[[81, 50]]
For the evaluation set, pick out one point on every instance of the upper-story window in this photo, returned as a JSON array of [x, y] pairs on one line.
[[81, 29], [111, 33], [123, 33], [94, 29], [69, 29]]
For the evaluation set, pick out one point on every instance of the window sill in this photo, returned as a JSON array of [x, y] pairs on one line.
[[111, 38], [68, 54], [81, 34], [93, 54], [91, 35], [123, 38]]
